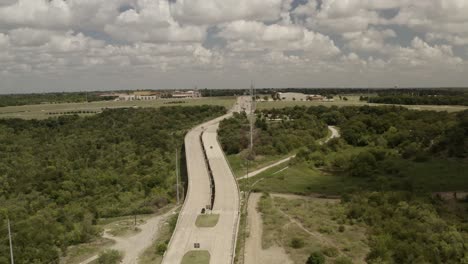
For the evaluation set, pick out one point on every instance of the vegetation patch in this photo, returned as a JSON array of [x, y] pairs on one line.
[[238, 162], [59, 176], [110, 256], [207, 220], [296, 224], [399, 172], [196, 257]]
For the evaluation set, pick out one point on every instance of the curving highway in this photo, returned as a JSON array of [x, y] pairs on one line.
[[219, 240]]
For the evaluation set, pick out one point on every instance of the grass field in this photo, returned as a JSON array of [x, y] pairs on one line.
[[196, 257], [43, 111], [207, 220], [301, 179], [238, 162], [305, 225], [353, 100]]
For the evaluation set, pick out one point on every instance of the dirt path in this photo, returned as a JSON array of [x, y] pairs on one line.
[[254, 254], [131, 247], [334, 134]]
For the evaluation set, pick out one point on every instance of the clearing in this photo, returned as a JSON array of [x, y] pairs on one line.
[[353, 100], [43, 111], [131, 245], [301, 225]]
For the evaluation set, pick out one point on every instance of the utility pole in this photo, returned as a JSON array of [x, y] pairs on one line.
[[177, 175], [11, 243]]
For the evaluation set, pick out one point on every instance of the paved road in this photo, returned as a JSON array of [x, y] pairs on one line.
[[218, 240], [334, 134]]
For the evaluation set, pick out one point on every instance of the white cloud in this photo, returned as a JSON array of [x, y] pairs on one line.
[[152, 22], [219, 11], [371, 40], [256, 36], [329, 41]]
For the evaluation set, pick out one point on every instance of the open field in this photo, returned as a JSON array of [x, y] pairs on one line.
[[305, 225], [239, 165], [43, 111], [353, 100], [300, 179]]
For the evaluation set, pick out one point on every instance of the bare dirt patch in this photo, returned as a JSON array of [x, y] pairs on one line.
[[254, 252]]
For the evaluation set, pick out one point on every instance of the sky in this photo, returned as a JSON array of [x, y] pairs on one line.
[[77, 45]]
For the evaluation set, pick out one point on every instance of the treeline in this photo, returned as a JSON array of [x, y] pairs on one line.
[[29, 99], [58, 176], [420, 97], [278, 132], [450, 95]]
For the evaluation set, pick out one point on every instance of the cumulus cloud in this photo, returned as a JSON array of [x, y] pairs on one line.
[[323, 41], [371, 40], [152, 22], [219, 11]]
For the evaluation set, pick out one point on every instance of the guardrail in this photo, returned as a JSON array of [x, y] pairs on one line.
[[210, 173]]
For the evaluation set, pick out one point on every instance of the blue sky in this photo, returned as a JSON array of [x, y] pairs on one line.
[[78, 45]]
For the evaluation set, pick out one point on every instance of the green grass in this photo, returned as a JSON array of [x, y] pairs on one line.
[[196, 257], [301, 179], [437, 174], [207, 220], [41, 111], [238, 162], [322, 219], [353, 100]]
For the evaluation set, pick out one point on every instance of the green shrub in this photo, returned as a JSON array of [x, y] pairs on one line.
[[110, 256], [316, 258], [161, 248], [297, 243]]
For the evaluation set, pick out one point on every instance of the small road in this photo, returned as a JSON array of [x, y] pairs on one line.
[[220, 240], [334, 134], [131, 247]]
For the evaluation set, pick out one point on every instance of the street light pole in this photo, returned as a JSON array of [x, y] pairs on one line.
[[177, 176], [11, 243]]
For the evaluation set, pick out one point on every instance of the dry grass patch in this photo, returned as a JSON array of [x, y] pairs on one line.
[[302, 226]]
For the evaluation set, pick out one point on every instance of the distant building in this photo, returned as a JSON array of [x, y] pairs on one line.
[[186, 94], [140, 95], [299, 97]]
